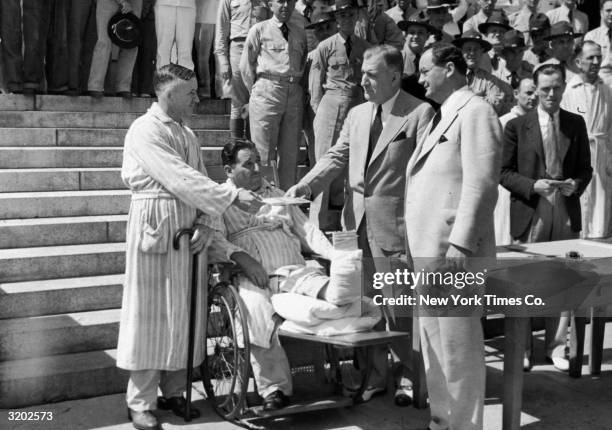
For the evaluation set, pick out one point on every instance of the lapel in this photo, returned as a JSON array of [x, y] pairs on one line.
[[396, 121], [534, 135], [362, 132], [432, 137], [565, 127]]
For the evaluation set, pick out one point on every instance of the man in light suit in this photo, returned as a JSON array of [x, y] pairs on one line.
[[376, 142], [451, 190]]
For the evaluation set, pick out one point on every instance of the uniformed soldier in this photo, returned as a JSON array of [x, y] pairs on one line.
[[272, 65], [561, 40], [493, 30], [515, 68], [539, 29], [234, 19], [418, 30], [334, 85]]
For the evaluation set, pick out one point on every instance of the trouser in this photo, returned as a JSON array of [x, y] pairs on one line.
[[56, 62], [271, 368], [80, 12], [204, 37], [328, 122], [142, 81], [453, 353], [174, 25], [240, 93], [25, 71], [377, 260], [275, 112], [105, 9], [141, 392]]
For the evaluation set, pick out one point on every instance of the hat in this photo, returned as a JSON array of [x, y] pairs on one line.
[[549, 62], [124, 30], [439, 4], [497, 17], [323, 18], [539, 22], [345, 5], [561, 29], [513, 40], [419, 18], [472, 36]]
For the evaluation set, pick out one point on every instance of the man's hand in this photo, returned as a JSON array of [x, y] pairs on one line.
[[126, 6], [226, 72], [299, 190], [251, 268], [568, 187], [201, 238], [248, 201], [545, 187]]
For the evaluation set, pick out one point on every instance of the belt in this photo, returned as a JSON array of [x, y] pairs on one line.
[[279, 78], [238, 39], [142, 195]]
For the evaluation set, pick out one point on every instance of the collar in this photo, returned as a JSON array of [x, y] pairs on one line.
[[276, 22], [388, 105], [450, 101], [543, 116], [265, 185], [156, 111]]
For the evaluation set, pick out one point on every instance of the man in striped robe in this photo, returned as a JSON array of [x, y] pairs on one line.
[[163, 167]]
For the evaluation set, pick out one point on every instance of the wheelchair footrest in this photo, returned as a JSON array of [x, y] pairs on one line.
[[300, 406]]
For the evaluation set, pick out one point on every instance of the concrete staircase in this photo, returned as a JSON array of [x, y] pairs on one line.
[[63, 210]]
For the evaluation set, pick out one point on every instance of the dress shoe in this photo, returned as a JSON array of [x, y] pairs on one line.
[[28, 91], [177, 405], [145, 96], [125, 95], [274, 401], [143, 420], [367, 394], [73, 92], [558, 358], [403, 395], [96, 94]]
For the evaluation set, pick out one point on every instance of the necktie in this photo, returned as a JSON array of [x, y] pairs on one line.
[[436, 119], [495, 62], [375, 131], [514, 80], [348, 47], [551, 151], [285, 31], [470, 76], [610, 34], [417, 58]]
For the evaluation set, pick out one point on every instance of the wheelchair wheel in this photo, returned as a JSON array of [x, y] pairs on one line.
[[225, 370]]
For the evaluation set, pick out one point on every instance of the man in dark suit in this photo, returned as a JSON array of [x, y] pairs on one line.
[[546, 165], [376, 142]]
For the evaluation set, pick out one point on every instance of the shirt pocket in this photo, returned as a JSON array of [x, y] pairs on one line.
[[338, 67], [154, 238], [274, 47]]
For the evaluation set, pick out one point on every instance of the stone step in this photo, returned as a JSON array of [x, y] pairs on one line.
[[60, 296], [64, 204], [63, 261], [45, 119], [42, 380], [78, 230], [41, 336], [88, 137], [113, 104], [16, 102], [35, 157], [60, 179]]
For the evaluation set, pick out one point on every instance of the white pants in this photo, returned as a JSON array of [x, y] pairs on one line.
[[142, 387], [175, 25]]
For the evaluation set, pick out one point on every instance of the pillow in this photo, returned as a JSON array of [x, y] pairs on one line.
[[310, 311]]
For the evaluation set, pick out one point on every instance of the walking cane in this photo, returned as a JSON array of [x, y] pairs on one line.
[[192, 313]]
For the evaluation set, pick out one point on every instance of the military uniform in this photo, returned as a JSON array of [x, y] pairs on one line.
[[272, 69], [334, 84], [495, 91]]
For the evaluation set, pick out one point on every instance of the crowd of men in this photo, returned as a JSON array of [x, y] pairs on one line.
[[440, 129]]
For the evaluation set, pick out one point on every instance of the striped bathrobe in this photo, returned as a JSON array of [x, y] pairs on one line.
[[163, 167]]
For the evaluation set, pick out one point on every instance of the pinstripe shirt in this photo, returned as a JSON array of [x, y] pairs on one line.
[[275, 236]]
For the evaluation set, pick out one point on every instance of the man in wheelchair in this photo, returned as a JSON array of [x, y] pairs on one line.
[[267, 247]]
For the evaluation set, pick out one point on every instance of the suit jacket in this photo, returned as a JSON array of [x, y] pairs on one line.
[[451, 181], [523, 164], [376, 190]]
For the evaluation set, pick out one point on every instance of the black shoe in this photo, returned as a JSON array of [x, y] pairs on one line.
[[28, 91], [274, 401], [96, 94], [125, 95], [143, 420], [177, 405], [73, 93]]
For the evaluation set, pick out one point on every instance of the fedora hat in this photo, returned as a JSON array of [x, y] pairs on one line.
[[562, 29], [323, 18], [345, 5], [539, 22], [124, 30], [498, 17], [513, 40], [472, 36], [420, 19], [439, 4]]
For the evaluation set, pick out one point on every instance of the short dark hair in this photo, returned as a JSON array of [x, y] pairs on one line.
[[579, 48], [444, 52], [549, 69], [169, 73], [232, 148], [392, 56]]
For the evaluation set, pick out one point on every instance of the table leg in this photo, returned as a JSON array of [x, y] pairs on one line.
[[576, 353], [597, 330], [514, 348]]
